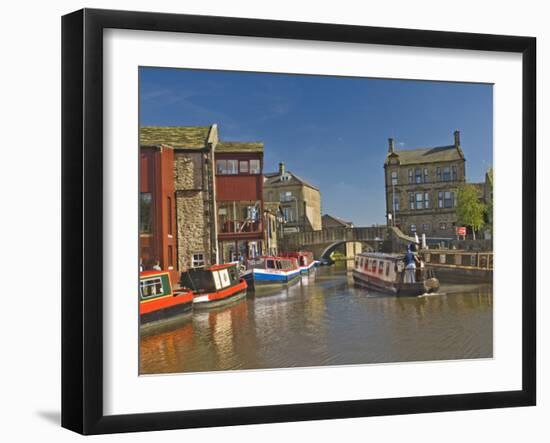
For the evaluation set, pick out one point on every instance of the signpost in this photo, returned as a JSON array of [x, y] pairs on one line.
[[461, 231]]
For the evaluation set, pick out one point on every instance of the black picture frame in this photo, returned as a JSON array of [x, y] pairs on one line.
[[82, 215]]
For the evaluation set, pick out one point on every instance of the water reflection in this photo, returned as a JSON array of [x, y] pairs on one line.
[[325, 320]]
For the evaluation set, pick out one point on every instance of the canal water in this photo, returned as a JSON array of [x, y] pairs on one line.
[[324, 320]]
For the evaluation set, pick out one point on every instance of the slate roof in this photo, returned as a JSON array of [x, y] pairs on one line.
[[240, 147], [428, 155], [272, 178], [190, 137]]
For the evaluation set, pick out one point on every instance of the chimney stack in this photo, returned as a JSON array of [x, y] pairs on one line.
[[281, 168], [457, 139], [390, 146]]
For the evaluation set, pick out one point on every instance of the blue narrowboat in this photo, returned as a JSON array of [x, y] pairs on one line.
[[271, 272]]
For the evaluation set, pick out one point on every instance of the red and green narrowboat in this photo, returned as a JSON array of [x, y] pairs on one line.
[[215, 285], [157, 299]]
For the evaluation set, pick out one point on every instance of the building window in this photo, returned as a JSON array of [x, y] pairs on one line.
[[232, 166], [426, 176], [446, 174], [419, 200], [438, 173], [288, 214], [394, 178], [396, 203], [413, 228], [440, 199], [418, 175], [145, 199], [426, 200], [411, 176], [449, 199], [169, 214], [224, 167], [411, 200], [243, 167], [455, 174], [170, 257], [221, 166], [425, 227], [443, 226], [197, 260], [286, 196], [254, 166]]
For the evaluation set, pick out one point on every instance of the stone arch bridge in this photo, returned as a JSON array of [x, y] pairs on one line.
[[323, 242]]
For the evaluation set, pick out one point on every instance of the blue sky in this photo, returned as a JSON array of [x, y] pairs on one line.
[[331, 131]]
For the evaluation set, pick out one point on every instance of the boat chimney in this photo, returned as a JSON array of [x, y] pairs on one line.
[[281, 168], [390, 146]]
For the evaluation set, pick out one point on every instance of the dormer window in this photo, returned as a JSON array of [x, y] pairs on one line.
[[285, 177]]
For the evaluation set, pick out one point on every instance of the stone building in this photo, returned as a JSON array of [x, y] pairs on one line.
[[330, 221], [274, 225], [193, 189], [421, 188], [299, 200]]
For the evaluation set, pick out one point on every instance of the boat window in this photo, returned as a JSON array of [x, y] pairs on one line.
[[270, 264], [387, 269], [380, 267], [279, 265], [224, 278], [373, 269], [217, 281], [151, 287]]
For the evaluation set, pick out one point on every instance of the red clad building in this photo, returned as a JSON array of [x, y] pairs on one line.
[[157, 222], [239, 199]]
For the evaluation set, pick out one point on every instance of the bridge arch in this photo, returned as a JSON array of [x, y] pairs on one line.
[[327, 250]]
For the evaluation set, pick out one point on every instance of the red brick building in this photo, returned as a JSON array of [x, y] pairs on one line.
[[157, 240]]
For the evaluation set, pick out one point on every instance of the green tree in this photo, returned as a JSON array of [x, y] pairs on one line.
[[470, 210], [489, 200]]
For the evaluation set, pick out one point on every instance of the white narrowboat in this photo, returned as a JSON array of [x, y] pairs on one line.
[[386, 273]]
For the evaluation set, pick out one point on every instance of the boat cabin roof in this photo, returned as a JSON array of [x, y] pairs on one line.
[[381, 256], [152, 273], [219, 267]]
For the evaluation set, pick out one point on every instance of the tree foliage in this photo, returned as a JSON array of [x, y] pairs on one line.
[[470, 210]]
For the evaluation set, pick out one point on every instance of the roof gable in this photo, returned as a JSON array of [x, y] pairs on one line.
[[274, 178]]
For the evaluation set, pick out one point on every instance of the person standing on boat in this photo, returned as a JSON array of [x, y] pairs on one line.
[[410, 265]]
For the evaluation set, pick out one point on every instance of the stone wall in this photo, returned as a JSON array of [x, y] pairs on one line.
[[194, 224]]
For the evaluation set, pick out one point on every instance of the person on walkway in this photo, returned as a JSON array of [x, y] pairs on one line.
[[410, 265], [156, 266]]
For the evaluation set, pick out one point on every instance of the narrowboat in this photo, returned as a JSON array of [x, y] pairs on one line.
[[271, 272], [386, 273], [458, 266], [305, 260], [157, 299], [214, 286]]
